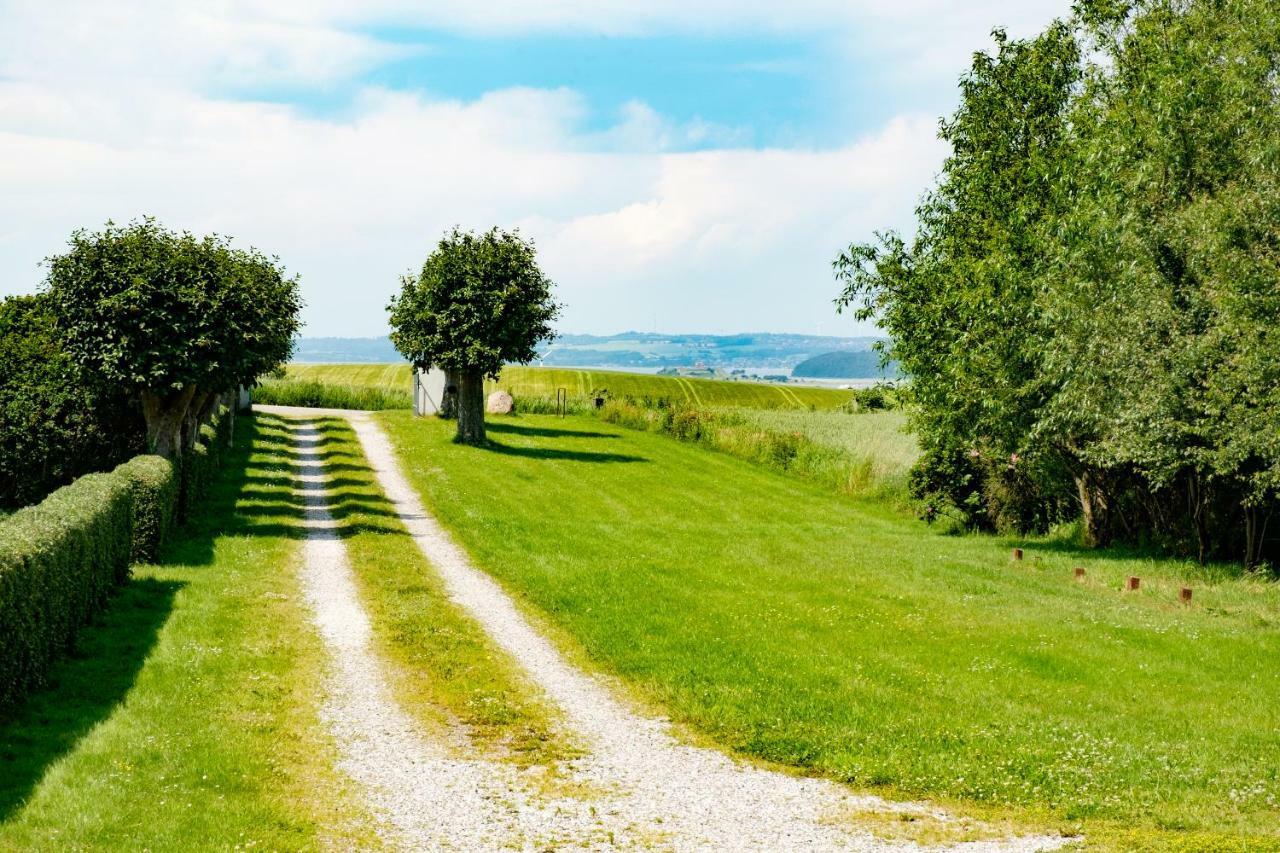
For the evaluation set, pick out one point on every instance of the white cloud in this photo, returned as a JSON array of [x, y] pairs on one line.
[[741, 238], [113, 111]]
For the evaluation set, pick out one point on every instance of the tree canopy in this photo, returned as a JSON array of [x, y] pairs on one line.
[[1089, 311], [173, 318], [479, 302], [55, 423]]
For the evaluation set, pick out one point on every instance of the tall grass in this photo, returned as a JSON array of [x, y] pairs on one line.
[[862, 455], [324, 395]]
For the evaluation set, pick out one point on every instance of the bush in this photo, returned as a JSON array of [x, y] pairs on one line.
[[154, 483], [58, 561], [55, 424], [60, 558]]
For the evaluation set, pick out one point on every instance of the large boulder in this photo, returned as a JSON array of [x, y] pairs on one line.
[[500, 403]]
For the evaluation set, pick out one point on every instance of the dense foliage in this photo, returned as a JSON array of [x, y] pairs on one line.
[[1089, 312], [56, 422], [176, 320], [154, 484], [479, 302]]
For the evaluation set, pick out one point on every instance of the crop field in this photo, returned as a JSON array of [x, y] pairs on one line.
[[545, 381], [845, 638]]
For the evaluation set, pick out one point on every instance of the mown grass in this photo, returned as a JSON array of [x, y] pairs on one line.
[[842, 637], [544, 382], [443, 666], [187, 716]]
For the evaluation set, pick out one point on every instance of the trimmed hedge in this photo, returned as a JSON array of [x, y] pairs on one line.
[[58, 561], [60, 558], [155, 487]]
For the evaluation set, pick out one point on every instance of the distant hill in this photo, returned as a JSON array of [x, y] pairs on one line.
[[864, 364], [628, 349]]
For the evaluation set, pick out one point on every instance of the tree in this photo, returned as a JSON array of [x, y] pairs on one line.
[[177, 321], [1091, 293], [960, 300], [55, 423], [479, 302]]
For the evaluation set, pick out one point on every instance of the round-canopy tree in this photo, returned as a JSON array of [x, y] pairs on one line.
[[175, 319], [480, 302]]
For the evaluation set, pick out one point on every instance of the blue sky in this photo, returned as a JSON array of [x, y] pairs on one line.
[[694, 166]]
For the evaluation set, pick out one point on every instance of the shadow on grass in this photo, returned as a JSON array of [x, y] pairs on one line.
[[259, 498], [544, 432], [84, 688]]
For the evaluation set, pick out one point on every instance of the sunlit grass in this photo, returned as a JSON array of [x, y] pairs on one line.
[[843, 637], [188, 717]]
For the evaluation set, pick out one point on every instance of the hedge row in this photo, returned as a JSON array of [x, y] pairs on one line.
[[60, 558]]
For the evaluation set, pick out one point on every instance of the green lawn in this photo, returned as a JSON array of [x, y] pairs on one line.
[[840, 636], [545, 381], [187, 717]]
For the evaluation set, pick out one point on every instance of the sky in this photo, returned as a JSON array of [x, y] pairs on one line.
[[681, 166]]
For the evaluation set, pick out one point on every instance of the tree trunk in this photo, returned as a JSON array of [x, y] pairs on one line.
[[449, 402], [203, 405], [1094, 512], [164, 415], [1199, 502], [471, 407], [1255, 534]]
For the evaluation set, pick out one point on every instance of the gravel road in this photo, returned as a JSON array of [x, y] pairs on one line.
[[648, 789]]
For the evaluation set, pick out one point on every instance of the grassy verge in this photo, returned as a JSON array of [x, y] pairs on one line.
[[327, 395], [444, 667], [187, 716], [841, 637]]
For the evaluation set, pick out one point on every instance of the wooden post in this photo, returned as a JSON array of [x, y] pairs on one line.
[[1133, 584], [1185, 595], [1079, 573], [1017, 553]]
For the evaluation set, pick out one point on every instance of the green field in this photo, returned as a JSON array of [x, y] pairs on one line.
[[545, 381], [842, 637]]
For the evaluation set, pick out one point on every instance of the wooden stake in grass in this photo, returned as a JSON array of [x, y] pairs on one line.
[[1017, 553], [1185, 595], [1079, 573], [1132, 584]]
